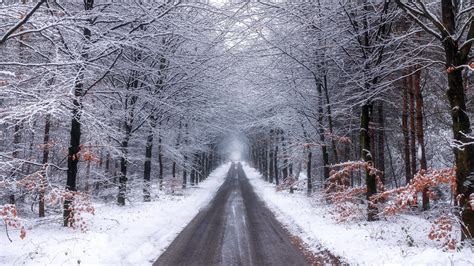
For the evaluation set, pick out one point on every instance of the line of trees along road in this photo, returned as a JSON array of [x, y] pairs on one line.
[[365, 99], [101, 98], [379, 90]]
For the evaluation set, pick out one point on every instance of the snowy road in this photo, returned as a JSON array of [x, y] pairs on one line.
[[237, 229]]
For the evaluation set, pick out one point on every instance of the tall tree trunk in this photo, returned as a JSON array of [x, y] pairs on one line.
[[420, 132], [203, 166], [160, 161], [271, 167], [406, 136], [308, 172], [123, 167], [381, 141], [259, 158], [107, 171], [308, 162], [330, 123], [147, 166], [461, 124], [265, 162], [47, 128], [275, 160], [173, 170], [290, 168], [185, 157], [285, 157], [75, 133], [74, 148], [324, 152], [128, 127], [206, 165], [185, 174], [193, 171], [30, 149], [285, 160], [15, 155], [88, 176], [411, 97], [370, 178]]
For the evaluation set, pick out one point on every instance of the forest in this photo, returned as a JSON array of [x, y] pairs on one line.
[[360, 108]]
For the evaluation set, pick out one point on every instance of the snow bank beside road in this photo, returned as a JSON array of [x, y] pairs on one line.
[[132, 235], [381, 242]]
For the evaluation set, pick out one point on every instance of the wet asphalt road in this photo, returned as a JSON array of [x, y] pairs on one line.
[[237, 229]]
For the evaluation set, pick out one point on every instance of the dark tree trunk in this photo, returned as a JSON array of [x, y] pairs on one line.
[[193, 170], [128, 127], [15, 154], [123, 168], [411, 98], [200, 167], [185, 175], [147, 167], [285, 157], [173, 170], [160, 162], [284, 151], [47, 128], [73, 156], [456, 56], [406, 136], [308, 172], [203, 166], [370, 178], [265, 162], [275, 164], [420, 132], [185, 157], [381, 141], [329, 112], [30, 149], [271, 159], [206, 164], [107, 169], [258, 153], [75, 133], [290, 169], [88, 176], [324, 151]]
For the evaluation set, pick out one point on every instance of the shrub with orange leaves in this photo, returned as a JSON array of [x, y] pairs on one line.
[[88, 155], [337, 138], [80, 205], [344, 198], [8, 215], [37, 182], [85, 153], [399, 199], [442, 231]]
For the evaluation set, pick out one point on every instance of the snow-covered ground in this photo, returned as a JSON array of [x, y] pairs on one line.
[[132, 235], [381, 242]]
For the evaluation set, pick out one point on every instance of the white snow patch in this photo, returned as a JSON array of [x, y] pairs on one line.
[[374, 243], [136, 234]]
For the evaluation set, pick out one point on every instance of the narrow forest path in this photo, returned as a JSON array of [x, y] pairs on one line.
[[236, 228]]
